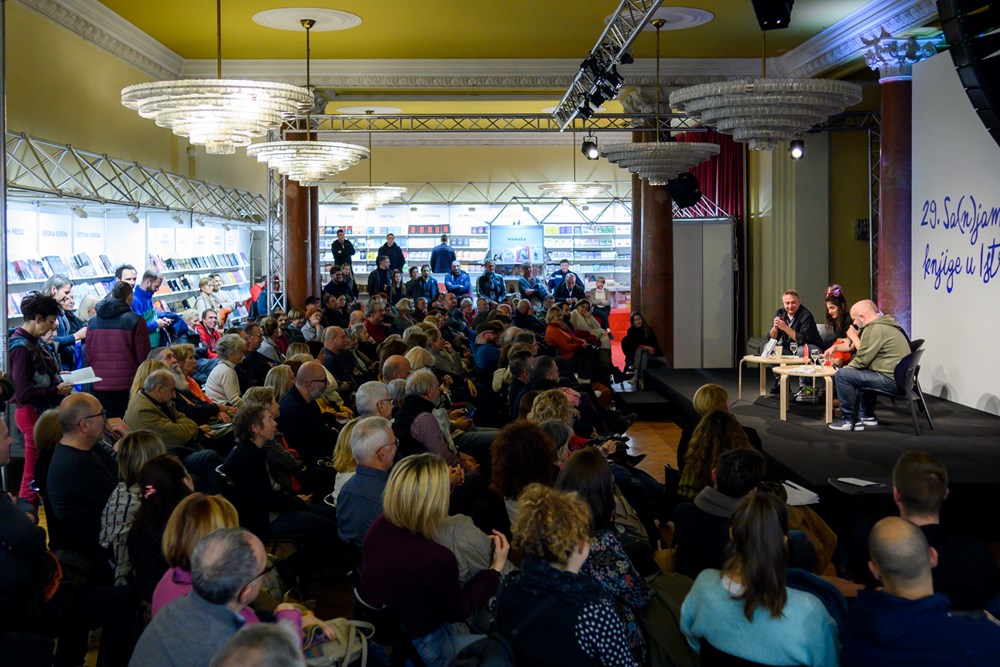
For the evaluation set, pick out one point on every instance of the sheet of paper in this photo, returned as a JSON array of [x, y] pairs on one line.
[[799, 495], [857, 482]]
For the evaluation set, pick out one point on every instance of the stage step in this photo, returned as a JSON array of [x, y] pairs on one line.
[[648, 405]]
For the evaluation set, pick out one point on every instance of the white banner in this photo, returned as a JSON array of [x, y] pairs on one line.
[[956, 239], [55, 234], [184, 242]]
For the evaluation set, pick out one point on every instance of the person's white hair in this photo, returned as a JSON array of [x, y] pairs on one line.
[[368, 436], [420, 382], [397, 390], [368, 395], [157, 379], [229, 345]]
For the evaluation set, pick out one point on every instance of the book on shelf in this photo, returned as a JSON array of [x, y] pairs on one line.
[[57, 264], [84, 268], [12, 275], [37, 270], [157, 263], [109, 267]]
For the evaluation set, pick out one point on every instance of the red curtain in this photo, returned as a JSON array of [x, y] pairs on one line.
[[721, 177]]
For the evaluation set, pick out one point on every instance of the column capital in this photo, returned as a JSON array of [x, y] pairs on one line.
[[894, 57]]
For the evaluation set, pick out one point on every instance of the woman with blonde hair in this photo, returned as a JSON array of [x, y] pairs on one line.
[[343, 457], [145, 369], [572, 620], [280, 379], [413, 576], [119, 513], [87, 307], [419, 358]]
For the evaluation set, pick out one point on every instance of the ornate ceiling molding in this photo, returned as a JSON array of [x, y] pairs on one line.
[[101, 26], [844, 41], [831, 48]]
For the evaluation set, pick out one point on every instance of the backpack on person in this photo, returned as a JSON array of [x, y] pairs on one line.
[[496, 650]]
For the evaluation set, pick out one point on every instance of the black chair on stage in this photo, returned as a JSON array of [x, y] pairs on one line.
[[907, 389], [710, 656]]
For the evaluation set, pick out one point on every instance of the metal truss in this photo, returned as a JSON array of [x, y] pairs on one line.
[[624, 26], [874, 203], [276, 277], [40, 169], [495, 123]]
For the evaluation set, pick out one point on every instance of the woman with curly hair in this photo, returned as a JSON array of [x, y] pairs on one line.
[[588, 473], [717, 432], [566, 619], [521, 454]]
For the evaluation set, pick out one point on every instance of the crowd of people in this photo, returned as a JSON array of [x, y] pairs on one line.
[[462, 459]]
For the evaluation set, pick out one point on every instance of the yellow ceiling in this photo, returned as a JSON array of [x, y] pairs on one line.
[[477, 29]]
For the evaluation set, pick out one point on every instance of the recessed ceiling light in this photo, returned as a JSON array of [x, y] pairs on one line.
[[290, 18], [680, 18], [368, 110]]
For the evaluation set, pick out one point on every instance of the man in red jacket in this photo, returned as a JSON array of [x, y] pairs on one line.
[[117, 342], [208, 331]]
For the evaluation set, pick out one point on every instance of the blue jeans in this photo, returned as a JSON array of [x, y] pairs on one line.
[[437, 648], [851, 380]]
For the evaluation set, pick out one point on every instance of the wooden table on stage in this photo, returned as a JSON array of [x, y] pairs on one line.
[[763, 363], [825, 372]]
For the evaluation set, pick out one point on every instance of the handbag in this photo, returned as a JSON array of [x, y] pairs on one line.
[[348, 647], [665, 557]]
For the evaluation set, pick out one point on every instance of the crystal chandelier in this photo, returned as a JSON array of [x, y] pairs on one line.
[[765, 112], [219, 114], [577, 192], [308, 162], [370, 197], [660, 161]]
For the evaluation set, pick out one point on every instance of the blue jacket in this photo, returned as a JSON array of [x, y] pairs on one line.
[[887, 631], [491, 286], [142, 304], [441, 258], [555, 280], [533, 283], [460, 285]]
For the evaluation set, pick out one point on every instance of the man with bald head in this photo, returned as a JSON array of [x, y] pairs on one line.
[[395, 367], [301, 419], [907, 623], [882, 343], [81, 477]]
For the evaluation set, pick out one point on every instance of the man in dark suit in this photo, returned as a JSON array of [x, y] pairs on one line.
[[393, 252], [342, 249]]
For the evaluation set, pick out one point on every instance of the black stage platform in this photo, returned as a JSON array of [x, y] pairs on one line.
[[804, 450]]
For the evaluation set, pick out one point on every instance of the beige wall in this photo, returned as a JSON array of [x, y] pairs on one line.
[[67, 90]]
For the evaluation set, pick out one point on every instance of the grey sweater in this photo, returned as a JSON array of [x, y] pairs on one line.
[[186, 633]]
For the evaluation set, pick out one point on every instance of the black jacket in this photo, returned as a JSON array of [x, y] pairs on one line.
[[342, 252], [402, 425], [304, 428], [803, 324], [564, 293], [379, 280], [395, 255], [253, 495]]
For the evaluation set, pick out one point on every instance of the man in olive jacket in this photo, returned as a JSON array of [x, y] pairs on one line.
[[882, 344]]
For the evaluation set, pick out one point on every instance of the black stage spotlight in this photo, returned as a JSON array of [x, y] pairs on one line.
[[597, 97], [797, 148], [627, 58], [685, 190], [614, 78], [773, 14], [584, 110], [593, 65], [589, 147]]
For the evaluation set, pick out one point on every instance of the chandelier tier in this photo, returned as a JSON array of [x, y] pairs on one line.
[[765, 112], [659, 162], [219, 114], [308, 162], [370, 197]]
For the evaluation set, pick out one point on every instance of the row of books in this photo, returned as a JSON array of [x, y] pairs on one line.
[[562, 230], [185, 282], [177, 304], [39, 270], [430, 229], [203, 262], [349, 230]]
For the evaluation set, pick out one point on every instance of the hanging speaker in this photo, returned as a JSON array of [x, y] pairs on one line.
[[773, 14], [684, 190]]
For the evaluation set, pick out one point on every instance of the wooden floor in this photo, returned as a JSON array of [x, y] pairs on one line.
[[658, 441]]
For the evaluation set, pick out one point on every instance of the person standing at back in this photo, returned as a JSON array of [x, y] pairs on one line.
[[442, 256], [342, 250], [117, 342], [393, 252]]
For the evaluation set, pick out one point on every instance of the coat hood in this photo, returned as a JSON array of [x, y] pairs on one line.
[[109, 308]]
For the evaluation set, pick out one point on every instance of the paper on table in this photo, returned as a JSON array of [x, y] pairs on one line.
[[805, 370], [799, 495], [80, 376], [857, 482]]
